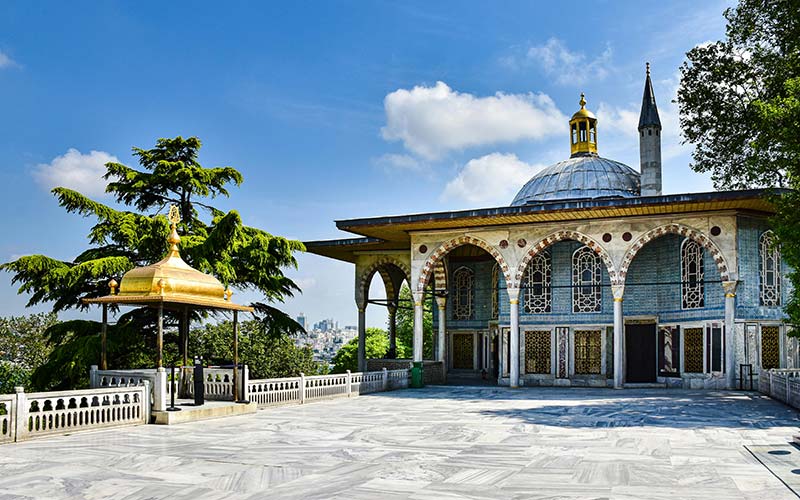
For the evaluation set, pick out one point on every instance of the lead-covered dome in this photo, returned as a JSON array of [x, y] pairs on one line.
[[584, 176]]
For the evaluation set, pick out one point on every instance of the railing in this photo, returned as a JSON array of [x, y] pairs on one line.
[[39, 414], [157, 380], [781, 384], [7, 417], [217, 383], [298, 390]]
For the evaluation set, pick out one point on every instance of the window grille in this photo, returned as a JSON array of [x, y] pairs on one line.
[[463, 351], [770, 347], [693, 350], [463, 293], [692, 275], [537, 351], [495, 291], [769, 270], [588, 352], [586, 280], [536, 284]]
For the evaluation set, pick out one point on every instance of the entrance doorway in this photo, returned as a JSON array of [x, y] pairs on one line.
[[640, 352]]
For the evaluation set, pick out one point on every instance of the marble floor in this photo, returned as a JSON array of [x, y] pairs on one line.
[[436, 443]]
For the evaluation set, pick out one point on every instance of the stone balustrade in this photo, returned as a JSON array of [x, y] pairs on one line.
[[781, 384], [298, 390], [218, 383], [39, 414]]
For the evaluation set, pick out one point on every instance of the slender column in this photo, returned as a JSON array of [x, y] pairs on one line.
[[103, 335], [362, 338], [185, 336], [619, 338], [160, 339], [441, 303], [513, 370], [730, 333], [236, 356], [392, 331], [418, 308]]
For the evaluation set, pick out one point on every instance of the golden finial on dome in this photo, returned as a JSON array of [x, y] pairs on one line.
[[113, 286], [583, 131], [582, 102], [174, 217], [228, 293]]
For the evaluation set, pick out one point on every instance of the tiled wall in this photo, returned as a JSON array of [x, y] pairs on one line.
[[747, 294]]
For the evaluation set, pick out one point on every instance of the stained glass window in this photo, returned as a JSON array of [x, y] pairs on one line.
[[692, 275], [770, 347], [536, 284], [537, 351], [463, 292], [769, 270], [586, 280], [588, 352]]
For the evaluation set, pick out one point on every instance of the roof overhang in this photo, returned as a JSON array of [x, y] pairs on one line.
[[172, 301], [393, 232]]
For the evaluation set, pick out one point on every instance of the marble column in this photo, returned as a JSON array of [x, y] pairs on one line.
[[392, 309], [513, 370], [730, 333], [362, 337], [441, 303], [418, 308], [619, 336]]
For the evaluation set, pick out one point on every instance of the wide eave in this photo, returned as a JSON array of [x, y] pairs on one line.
[[393, 232], [173, 301]]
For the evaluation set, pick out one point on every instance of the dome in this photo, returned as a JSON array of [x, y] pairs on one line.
[[584, 176]]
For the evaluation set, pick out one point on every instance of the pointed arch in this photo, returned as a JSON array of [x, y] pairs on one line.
[[679, 229], [557, 236], [447, 247], [382, 266]]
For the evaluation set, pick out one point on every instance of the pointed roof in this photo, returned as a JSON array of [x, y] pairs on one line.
[[649, 114]]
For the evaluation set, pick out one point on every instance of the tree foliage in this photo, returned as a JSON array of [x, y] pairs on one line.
[[739, 101], [212, 241], [267, 354], [24, 347], [346, 358], [405, 325]]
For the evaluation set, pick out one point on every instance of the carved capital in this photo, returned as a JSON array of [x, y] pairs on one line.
[[441, 302], [513, 295], [618, 291], [730, 288]]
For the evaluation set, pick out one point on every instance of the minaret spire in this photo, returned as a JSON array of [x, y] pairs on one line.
[[649, 140]]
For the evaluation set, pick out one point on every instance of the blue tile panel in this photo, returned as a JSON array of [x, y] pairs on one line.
[[748, 305]]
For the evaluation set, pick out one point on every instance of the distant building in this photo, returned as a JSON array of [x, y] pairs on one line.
[[302, 321]]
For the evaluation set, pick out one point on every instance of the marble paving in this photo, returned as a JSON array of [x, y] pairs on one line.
[[436, 443]]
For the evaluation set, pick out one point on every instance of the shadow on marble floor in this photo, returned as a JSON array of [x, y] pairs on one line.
[[592, 408]]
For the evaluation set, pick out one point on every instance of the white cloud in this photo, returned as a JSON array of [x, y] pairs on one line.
[[494, 178], [74, 170], [399, 163], [6, 61], [432, 121], [565, 66]]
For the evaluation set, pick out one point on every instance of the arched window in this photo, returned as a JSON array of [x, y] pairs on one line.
[[586, 281], [536, 284], [495, 288], [463, 289], [769, 270], [692, 284]]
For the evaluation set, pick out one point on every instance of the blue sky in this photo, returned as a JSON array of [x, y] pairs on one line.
[[330, 110]]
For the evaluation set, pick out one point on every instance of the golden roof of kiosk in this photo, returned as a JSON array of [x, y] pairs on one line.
[[171, 282]]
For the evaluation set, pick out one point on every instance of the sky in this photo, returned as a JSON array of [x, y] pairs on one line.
[[330, 110]]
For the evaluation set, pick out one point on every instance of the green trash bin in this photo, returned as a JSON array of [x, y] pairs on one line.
[[416, 375]]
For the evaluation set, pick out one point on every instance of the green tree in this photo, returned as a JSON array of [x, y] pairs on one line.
[[267, 355], [739, 102], [405, 325], [346, 358], [24, 347], [213, 241]]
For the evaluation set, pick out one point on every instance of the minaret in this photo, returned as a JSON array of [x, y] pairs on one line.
[[650, 141]]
